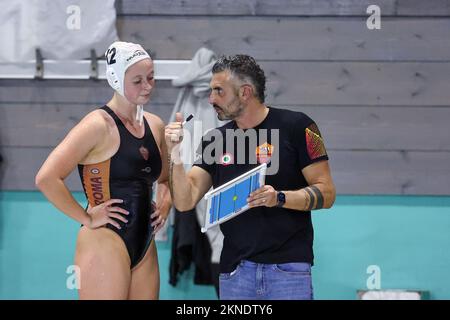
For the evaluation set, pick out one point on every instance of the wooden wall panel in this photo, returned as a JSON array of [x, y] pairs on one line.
[[251, 7], [423, 8], [283, 7], [344, 128], [288, 38], [21, 165], [45, 125], [288, 83], [354, 172], [396, 172], [382, 128], [325, 83], [380, 97]]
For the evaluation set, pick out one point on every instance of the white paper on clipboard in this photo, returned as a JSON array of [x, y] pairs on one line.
[[230, 199]]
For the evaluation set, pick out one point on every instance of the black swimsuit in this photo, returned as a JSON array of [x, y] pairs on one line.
[[128, 175]]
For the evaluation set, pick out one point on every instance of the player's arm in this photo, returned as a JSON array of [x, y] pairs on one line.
[[163, 200], [81, 140]]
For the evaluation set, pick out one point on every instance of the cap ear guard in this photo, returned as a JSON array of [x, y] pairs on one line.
[[111, 74], [113, 79]]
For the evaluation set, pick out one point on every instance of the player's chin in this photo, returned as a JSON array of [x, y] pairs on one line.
[[144, 98]]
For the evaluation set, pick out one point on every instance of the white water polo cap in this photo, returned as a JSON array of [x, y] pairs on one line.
[[119, 57]]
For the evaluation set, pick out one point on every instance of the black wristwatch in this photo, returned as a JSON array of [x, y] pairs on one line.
[[281, 199]]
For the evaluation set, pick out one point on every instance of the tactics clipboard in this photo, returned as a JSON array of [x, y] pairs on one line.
[[230, 199]]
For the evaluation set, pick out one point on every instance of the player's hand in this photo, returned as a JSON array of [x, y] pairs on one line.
[[159, 216], [104, 213], [265, 196]]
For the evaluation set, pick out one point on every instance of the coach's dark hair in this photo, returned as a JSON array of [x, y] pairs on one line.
[[246, 69]]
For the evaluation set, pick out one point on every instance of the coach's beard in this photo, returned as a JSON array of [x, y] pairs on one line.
[[225, 114]]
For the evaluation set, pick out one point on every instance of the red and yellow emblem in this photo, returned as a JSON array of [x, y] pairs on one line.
[[314, 142], [264, 152]]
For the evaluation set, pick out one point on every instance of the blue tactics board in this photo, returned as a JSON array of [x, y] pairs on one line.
[[230, 199]]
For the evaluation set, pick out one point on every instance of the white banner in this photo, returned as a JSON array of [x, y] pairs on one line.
[[62, 29]]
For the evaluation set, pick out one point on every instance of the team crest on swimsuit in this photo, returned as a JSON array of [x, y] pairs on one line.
[[264, 152], [144, 153]]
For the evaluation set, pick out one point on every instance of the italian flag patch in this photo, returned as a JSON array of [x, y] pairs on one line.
[[226, 159]]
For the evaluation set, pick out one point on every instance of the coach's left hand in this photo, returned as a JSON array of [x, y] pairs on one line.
[[264, 196]]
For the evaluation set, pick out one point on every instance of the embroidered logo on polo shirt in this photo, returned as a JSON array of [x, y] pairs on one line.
[[264, 152]]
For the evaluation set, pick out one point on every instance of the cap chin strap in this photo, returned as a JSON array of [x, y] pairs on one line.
[[140, 113]]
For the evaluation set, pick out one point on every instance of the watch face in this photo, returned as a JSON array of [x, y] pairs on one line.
[[281, 198]]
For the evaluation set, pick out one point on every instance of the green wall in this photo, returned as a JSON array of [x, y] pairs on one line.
[[406, 237]]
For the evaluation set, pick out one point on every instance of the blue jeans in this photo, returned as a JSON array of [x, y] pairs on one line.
[[259, 281]]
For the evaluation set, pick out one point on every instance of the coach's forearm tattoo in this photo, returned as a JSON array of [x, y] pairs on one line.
[[319, 197], [312, 198], [315, 198], [307, 200]]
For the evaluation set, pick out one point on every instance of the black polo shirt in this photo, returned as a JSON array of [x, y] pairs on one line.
[[289, 141]]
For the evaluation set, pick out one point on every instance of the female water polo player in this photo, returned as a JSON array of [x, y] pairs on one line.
[[120, 152]]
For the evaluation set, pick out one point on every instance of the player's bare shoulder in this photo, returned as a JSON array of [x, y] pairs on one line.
[[98, 132], [94, 125], [99, 122]]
